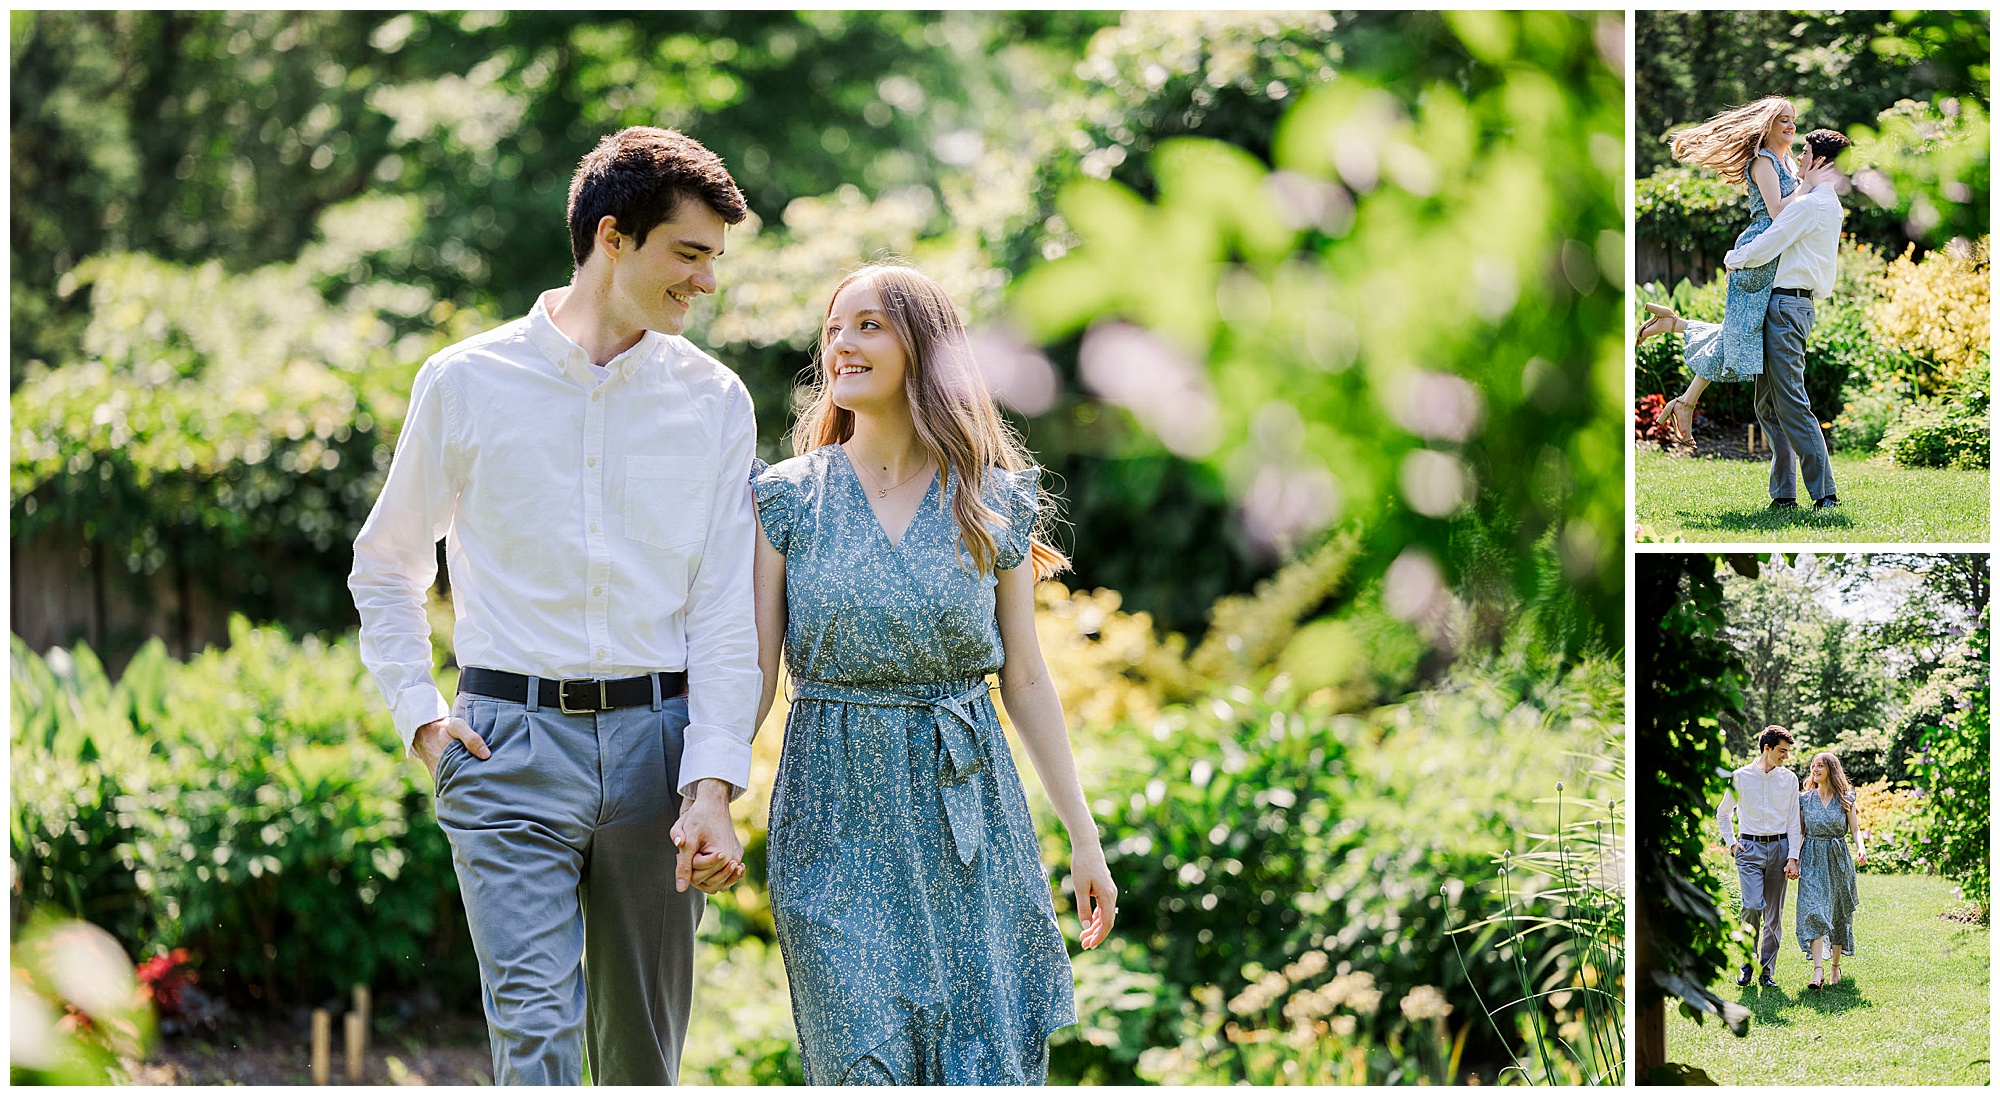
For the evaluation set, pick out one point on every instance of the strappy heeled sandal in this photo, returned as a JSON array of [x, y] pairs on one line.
[[1662, 323], [1670, 411], [1833, 975], [1819, 977]]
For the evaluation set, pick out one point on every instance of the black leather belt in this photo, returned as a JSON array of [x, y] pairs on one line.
[[1788, 291], [576, 695], [1766, 837]]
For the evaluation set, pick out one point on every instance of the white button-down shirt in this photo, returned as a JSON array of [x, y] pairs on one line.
[[598, 524], [1765, 803], [1804, 238]]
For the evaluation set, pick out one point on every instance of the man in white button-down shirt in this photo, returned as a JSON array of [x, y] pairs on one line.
[[1764, 797], [1804, 241], [589, 469]]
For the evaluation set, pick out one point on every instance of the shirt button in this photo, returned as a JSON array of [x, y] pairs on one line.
[[597, 589], [593, 527], [592, 462], [601, 652]]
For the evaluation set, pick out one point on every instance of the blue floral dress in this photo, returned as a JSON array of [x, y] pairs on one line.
[[1733, 350], [1828, 890], [907, 887]]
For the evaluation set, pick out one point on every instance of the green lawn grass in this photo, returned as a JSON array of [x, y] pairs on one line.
[[1717, 500], [1911, 1008]]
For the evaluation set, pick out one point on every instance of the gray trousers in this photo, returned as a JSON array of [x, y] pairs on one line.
[[1760, 874], [1784, 413], [562, 840]]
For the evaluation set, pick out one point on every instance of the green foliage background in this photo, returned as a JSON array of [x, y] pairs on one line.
[[207, 372], [1843, 71]]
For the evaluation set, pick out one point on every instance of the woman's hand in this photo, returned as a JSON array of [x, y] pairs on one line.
[[1861, 856], [1096, 898]]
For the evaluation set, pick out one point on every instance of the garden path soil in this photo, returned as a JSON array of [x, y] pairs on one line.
[[280, 1056]]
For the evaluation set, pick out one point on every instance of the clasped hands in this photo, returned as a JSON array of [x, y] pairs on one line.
[[708, 856], [1791, 866]]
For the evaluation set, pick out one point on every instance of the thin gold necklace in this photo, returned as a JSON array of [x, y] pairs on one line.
[[884, 491]]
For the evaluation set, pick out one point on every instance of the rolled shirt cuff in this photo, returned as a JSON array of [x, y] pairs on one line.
[[714, 752], [416, 706]]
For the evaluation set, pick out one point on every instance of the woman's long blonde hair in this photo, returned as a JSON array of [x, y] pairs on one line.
[[1727, 143], [954, 415], [1836, 777]]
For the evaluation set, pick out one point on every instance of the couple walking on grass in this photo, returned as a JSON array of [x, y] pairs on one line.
[[1782, 261], [1779, 834], [625, 576]]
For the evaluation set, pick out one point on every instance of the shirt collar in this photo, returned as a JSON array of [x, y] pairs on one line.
[[570, 359]]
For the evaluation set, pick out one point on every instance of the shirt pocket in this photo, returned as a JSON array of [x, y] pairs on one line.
[[667, 501]]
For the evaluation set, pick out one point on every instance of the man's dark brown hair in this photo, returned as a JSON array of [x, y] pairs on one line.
[[1772, 736], [1824, 143], [639, 176]]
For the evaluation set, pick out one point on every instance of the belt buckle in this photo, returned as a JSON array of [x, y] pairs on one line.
[[562, 696]]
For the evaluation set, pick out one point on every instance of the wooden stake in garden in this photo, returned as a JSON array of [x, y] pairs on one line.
[[322, 1046], [354, 1045], [1751, 436], [363, 1009]]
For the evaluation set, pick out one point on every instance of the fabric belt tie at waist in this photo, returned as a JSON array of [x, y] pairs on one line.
[[958, 742]]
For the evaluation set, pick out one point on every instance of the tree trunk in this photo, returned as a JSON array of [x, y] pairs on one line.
[[1649, 1017]]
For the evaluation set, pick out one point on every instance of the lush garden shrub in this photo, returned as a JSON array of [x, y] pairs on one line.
[[1250, 830], [1950, 432], [1955, 768], [230, 429], [1891, 818], [1865, 416], [1929, 435], [1938, 311], [252, 805], [1690, 210]]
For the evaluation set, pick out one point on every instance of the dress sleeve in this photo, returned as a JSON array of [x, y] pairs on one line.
[[1019, 499], [775, 504]]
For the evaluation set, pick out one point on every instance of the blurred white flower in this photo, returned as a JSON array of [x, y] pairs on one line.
[[1438, 406], [1413, 589], [1875, 184], [1167, 392], [1016, 374], [90, 971], [33, 1042], [1425, 1003], [1288, 502], [1434, 483]]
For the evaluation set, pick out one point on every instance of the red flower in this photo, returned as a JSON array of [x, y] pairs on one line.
[[165, 977]]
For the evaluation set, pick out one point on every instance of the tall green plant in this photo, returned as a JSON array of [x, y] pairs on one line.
[[1687, 675], [1957, 776], [1574, 894]]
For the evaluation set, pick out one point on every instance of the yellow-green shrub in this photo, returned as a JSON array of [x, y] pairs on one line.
[[1938, 311], [1889, 819]]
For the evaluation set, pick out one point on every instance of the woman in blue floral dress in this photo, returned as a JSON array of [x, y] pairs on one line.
[[1750, 146], [896, 572], [1829, 892]]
